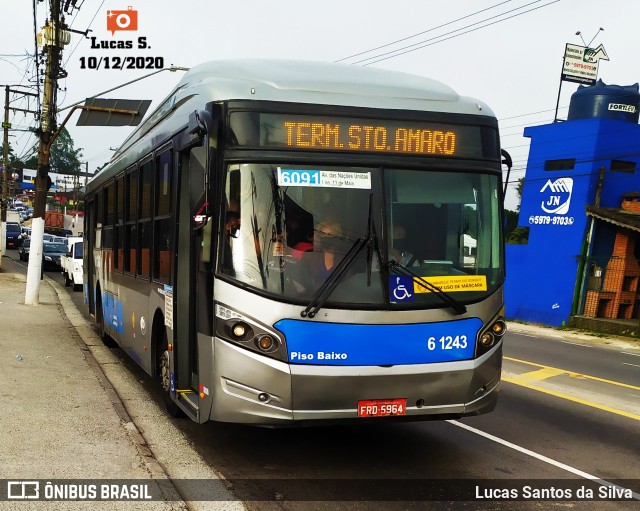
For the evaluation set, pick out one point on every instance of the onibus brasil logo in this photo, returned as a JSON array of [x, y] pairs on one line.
[[557, 196]]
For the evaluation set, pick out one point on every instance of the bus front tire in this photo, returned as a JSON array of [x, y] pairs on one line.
[[164, 377]]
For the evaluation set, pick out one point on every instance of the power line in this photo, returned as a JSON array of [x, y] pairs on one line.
[[415, 46], [423, 32], [90, 23], [440, 36]]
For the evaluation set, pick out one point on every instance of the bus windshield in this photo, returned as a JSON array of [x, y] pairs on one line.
[[288, 227]]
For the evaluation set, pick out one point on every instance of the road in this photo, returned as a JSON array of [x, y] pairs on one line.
[[568, 414]]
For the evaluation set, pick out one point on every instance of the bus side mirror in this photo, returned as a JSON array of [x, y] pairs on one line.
[[200, 123]]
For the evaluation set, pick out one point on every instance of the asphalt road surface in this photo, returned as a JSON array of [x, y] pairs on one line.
[[567, 423]]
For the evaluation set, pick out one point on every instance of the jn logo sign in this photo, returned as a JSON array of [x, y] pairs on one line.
[[557, 196], [23, 490]]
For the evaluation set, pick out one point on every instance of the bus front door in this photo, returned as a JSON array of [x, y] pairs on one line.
[[193, 282]]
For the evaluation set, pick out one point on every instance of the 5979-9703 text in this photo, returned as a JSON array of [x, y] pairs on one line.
[[121, 63]]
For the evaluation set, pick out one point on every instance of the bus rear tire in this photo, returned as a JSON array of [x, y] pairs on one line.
[[164, 377]]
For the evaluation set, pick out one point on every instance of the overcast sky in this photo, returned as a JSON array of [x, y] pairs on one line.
[[509, 54]]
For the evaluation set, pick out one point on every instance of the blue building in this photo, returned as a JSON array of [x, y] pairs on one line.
[[578, 172]]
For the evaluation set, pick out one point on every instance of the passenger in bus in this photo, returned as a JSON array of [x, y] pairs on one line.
[[231, 228], [299, 236], [329, 242], [397, 250]]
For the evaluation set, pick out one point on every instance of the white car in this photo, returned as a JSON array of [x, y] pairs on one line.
[[71, 263]]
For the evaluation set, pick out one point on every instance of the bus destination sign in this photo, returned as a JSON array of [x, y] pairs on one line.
[[332, 133], [347, 134]]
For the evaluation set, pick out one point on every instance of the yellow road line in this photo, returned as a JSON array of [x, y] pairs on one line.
[[520, 380], [557, 372], [542, 374]]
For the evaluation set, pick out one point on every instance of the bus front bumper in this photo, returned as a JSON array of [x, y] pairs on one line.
[[253, 389]]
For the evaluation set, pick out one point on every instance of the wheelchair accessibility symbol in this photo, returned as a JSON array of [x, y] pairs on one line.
[[401, 288]]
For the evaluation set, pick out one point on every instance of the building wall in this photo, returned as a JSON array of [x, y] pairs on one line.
[[544, 276]]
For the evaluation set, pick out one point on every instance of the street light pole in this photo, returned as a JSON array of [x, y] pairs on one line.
[[172, 69]]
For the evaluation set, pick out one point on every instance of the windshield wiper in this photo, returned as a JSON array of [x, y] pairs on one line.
[[457, 307], [371, 241], [324, 291]]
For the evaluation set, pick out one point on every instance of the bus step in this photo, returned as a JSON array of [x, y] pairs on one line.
[[190, 398]]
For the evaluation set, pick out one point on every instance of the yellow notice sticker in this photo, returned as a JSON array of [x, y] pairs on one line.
[[451, 284]]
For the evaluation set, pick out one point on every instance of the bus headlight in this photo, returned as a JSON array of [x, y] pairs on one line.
[[248, 333], [240, 330], [491, 335], [487, 339], [499, 327], [266, 342]]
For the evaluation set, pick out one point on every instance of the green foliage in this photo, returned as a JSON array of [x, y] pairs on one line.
[[513, 233], [520, 236], [64, 158], [14, 161], [511, 221], [100, 167]]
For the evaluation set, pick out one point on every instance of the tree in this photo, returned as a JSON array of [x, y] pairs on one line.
[[100, 167], [64, 159], [513, 233], [14, 161]]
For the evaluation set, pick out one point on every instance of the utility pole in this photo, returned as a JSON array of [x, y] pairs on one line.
[[54, 38], [6, 126], [5, 169]]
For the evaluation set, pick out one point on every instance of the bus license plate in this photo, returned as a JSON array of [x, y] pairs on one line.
[[382, 407]]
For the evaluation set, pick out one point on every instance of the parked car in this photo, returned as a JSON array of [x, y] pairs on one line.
[[25, 234], [51, 254], [72, 264], [13, 233], [23, 251]]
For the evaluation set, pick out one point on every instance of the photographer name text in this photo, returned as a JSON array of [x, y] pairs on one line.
[[611, 492]]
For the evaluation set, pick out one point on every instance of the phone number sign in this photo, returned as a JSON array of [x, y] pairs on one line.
[[581, 63]]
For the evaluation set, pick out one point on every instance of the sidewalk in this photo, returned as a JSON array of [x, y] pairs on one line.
[[61, 418], [575, 336]]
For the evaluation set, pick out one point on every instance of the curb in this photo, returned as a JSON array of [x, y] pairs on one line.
[[574, 336], [102, 358]]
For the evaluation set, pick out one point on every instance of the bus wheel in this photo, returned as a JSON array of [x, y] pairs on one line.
[[164, 375]]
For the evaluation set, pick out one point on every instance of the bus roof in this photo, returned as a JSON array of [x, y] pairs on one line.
[[324, 83], [311, 82]]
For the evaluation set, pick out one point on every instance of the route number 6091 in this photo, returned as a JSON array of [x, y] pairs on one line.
[[447, 342]]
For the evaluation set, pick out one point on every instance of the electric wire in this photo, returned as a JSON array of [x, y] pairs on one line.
[[420, 33], [415, 47]]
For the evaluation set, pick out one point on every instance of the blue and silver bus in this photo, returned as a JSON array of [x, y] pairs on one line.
[[302, 242]]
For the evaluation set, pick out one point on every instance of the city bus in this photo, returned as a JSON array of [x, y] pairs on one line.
[[297, 243]]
